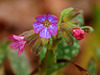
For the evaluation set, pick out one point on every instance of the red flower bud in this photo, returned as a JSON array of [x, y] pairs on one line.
[[78, 34]]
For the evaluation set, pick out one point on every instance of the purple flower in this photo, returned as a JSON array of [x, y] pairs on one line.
[[46, 25], [17, 43], [78, 34]]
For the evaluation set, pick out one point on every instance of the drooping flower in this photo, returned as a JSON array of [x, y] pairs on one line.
[[17, 43], [78, 34], [46, 25]]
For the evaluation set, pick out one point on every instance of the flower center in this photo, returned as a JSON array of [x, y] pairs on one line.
[[46, 23]]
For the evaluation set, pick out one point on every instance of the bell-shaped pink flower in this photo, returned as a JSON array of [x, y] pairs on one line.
[[17, 43], [46, 25], [78, 34]]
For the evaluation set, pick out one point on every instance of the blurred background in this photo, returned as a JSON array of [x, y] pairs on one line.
[[17, 16]]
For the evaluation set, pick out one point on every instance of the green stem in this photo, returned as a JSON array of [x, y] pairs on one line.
[[49, 59]]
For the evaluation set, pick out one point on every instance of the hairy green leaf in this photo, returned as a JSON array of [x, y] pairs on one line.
[[4, 50], [63, 50], [92, 68], [19, 63]]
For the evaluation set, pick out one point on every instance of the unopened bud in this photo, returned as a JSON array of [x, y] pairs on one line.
[[36, 48], [78, 34], [71, 15]]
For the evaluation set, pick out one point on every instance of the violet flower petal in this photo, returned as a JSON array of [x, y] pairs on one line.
[[45, 33], [37, 26], [52, 18], [53, 29], [41, 18]]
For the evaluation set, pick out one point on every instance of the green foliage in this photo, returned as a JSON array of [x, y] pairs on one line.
[[92, 68], [80, 19], [55, 67], [3, 51], [49, 58], [47, 62], [42, 52], [63, 50], [19, 63]]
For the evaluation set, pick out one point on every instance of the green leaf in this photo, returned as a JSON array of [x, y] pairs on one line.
[[47, 62], [92, 68], [3, 51], [63, 50], [42, 52], [87, 29], [65, 12], [19, 63], [80, 19], [55, 67]]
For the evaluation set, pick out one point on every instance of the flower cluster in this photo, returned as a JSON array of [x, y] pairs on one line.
[[45, 25]]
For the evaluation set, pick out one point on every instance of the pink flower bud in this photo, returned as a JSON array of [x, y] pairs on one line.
[[78, 34]]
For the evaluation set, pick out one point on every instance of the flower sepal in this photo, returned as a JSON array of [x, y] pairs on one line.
[[29, 36], [67, 37], [68, 26], [37, 46], [87, 29], [44, 41], [70, 15]]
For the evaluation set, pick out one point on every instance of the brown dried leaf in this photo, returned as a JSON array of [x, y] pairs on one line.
[[81, 69]]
